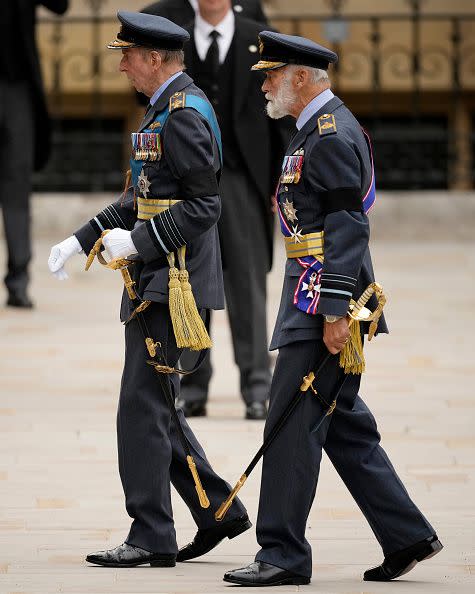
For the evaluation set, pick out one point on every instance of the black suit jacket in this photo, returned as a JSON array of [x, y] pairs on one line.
[[182, 13], [261, 140], [26, 37]]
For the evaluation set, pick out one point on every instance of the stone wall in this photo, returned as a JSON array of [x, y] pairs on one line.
[[397, 215]]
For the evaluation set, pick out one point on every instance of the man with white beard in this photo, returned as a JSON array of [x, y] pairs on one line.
[[325, 191]]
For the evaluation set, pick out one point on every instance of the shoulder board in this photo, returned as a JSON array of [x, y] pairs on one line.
[[177, 101], [326, 124]]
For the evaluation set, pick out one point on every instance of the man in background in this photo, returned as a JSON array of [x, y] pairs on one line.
[[222, 49], [24, 133], [182, 12]]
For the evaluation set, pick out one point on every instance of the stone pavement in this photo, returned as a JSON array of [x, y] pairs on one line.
[[60, 495]]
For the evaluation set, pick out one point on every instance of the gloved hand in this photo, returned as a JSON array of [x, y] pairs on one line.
[[119, 244], [60, 253]]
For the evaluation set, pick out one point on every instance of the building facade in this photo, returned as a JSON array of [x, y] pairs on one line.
[[407, 70]]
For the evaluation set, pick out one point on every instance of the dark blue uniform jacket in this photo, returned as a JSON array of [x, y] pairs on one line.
[[187, 168], [334, 165]]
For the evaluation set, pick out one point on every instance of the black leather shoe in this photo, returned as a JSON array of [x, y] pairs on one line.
[[256, 411], [206, 540], [126, 555], [264, 574], [19, 299], [191, 409], [401, 562]]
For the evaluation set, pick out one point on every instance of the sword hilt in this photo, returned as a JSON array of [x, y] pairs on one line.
[[360, 313], [116, 264], [96, 251]]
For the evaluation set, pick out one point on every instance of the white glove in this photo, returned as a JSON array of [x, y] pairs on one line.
[[119, 244], [60, 253]]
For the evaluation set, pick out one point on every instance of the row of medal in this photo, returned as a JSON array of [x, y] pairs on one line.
[[146, 146], [292, 168]]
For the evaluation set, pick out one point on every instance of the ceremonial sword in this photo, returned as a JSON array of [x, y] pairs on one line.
[[154, 349], [357, 312]]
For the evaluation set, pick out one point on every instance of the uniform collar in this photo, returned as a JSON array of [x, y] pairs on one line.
[[178, 84], [300, 136], [311, 108], [159, 91]]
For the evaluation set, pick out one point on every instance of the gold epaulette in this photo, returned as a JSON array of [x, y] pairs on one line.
[[177, 101], [326, 124]]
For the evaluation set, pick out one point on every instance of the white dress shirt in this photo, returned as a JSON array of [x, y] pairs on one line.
[[202, 39]]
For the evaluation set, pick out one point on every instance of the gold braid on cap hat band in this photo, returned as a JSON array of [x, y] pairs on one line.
[[264, 65]]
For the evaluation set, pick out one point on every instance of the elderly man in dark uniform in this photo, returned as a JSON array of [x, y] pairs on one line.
[[25, 134], [222, 49], [175, 165], [326, 183]]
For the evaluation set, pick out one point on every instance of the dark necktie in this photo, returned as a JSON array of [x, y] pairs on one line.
[[212, 55]]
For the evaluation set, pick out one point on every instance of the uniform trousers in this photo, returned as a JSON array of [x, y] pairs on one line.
[[350, 439], [16, 167], [246, 257], [150, 453]]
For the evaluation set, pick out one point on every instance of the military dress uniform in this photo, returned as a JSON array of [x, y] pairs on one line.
[[173, 201], [326, 180]]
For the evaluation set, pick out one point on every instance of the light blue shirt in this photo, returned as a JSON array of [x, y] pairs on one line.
[[311, 108], [159, 91]]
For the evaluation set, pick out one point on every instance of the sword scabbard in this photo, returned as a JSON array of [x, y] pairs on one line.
[[223, 508], [203, 498], [128, 283]]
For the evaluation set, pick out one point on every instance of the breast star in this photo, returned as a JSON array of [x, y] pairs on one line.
[[143, 184], [289, 211]]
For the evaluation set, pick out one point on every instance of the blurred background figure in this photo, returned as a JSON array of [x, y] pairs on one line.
[[24, 132], [218, 57], [182, 12]]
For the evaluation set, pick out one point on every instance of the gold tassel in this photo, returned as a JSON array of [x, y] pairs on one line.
[[185, 338], [352, 357], [193, 318]]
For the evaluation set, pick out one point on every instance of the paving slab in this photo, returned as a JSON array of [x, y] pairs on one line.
[[59, 379]]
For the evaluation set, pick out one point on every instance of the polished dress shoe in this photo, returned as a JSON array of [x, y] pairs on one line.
[[191, 409], [17, 298], [401, 562], [205, 540], [256, 411], [126, 555], [264, 574]]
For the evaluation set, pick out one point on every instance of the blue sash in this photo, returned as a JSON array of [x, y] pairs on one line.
[[203, 107]]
